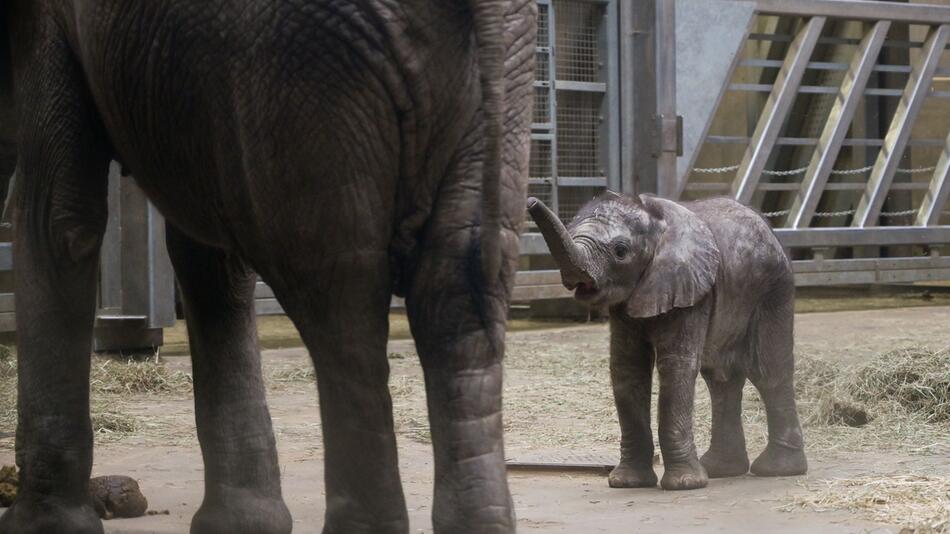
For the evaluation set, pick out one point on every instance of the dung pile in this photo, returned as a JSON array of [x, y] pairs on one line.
[[9, 483]]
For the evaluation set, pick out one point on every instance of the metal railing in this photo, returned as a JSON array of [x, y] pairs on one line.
[[845, 197]]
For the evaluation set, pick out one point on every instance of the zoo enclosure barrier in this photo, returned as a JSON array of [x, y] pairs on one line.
[[832, 119]]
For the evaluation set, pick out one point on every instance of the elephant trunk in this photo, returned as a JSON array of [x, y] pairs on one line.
[[489, 19], [569, 258]]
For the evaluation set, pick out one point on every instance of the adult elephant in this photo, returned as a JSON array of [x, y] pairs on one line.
[[343, 150]]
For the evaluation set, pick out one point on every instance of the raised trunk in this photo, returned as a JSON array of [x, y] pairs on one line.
[[570, 260]]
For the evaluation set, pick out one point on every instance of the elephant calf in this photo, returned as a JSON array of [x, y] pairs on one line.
[[700, 287]]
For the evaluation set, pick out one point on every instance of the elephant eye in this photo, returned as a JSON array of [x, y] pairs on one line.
[[621, 251]]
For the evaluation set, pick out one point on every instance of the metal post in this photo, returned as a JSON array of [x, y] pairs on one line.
[[836, 127], [138, 284], [638, 95], [776, 110], [669, 126], [898, 134], [936, 197]]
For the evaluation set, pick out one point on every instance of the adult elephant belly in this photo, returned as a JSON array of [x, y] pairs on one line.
[[243, 132]]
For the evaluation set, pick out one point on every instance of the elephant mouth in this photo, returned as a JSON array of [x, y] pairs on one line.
[[585, 291]]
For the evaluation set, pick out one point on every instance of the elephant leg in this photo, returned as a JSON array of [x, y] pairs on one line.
[[59, 221], [785, 453], [774, 377], [343, 318], [459, 331], [631, 374], [681, 468], [727, 456], [242, 476]]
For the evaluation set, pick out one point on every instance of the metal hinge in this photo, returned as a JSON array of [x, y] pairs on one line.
[[670, 134]]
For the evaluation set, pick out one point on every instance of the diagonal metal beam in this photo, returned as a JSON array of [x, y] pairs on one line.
[[936, 197], [776, 110], [895, 142], [836, 127]]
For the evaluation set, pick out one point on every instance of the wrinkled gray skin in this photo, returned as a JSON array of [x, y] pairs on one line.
[[342, 149], [700, 287]]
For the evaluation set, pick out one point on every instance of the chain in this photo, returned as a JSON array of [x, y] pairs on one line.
[[843, 213], [717, 170], [793, 172]]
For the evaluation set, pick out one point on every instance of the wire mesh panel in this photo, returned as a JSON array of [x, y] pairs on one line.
[[569, 137], [578, 30], [542, 105], [579, 124], [540, 163]]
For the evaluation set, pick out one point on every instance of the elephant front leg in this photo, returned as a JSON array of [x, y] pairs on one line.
[[59, 221], [682, 469], [242, 476], [631, 374]]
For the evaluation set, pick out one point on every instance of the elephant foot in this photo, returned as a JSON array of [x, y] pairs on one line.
[[780, 461], [684, 475], [721, 464], [628, 475], [487, 518], [239, 512], [27, 516]]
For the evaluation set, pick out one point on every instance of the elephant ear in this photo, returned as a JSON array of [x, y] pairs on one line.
[[684, 266]]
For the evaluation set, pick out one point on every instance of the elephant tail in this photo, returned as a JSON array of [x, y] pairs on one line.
[[490, 37]]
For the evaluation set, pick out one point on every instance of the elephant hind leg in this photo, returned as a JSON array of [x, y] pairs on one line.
[[773, 374], [727, 456], [343, 318], [242, 476]]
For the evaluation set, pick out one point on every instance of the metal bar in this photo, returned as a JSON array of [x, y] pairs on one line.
[[640, 89], [533, 244], [812, 141], [628, 95], [667, 135], [776, 109], [824, 65], [110, 263], [6, 257], [818, 90], [855, 237], [552, 108], [836, 127], [858, 10], [611, 51], [568, 181], [792, 186], [871, 264], [899, 132], [826, 90], [6, 302], [589, 87], [937, 191]]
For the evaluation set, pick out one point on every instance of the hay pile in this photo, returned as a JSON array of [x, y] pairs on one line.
[[131, 377], [919, 503], [559, 395], [899, 400], [111, 383]]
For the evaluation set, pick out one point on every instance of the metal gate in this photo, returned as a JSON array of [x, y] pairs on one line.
[[847, 149], [832, 119], [575, 131]]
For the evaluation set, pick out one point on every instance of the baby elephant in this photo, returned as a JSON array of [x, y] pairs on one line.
[[700, 287]]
